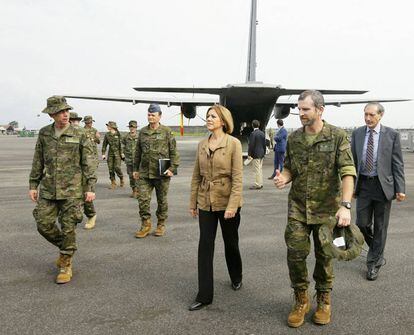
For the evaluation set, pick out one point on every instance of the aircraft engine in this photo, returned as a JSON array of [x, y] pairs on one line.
[[189, 110], [282, 112]]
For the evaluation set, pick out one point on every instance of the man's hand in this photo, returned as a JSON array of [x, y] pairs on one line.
[[400, 196], [229, 214], [343, 216], [89, 196], [135, 175], [279, 180], [123, 157], [168, 173], [98, 135], [103, 157], [33, 195], [194, 212]]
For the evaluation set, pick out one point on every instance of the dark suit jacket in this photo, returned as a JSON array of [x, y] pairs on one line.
[[281, 139], [257, 144], [390, 165]]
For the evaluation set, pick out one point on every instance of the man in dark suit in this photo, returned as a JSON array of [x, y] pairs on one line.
[[279, 148], [257, 150], [376, 150]]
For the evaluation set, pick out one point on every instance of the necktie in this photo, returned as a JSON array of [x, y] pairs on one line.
[[369, 161]]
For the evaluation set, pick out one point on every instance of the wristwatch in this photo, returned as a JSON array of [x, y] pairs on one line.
[[346, 204]]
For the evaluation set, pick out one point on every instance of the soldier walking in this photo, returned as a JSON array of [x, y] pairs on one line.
[[115, 153], [318, 158], [129, 143], [64, 167], [94, 138], [155, 142]]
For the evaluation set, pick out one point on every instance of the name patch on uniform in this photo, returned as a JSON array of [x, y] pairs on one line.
[[326, 147], [72, 140]]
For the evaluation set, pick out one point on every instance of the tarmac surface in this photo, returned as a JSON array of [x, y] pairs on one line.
[[122, 285]]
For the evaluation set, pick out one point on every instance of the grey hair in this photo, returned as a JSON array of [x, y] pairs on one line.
[[380, 108], [316, 97]]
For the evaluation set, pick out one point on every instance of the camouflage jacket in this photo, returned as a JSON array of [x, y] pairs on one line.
[[114, 142], [129, 144], [91, 135], [317, 170], [153, 145], [65, 166]]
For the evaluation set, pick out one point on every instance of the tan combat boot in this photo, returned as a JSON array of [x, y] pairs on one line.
[[135, 192], [59, 260], [122, 183], [65, 269], [322, 315], [302, 306], [145, 229], [113, 184], [91, 222], [160, 231], [132, 195]]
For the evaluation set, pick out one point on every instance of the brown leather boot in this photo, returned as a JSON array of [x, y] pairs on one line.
[[160, 231], [65, 269], [113, 184], [322, 315], [300, 309], [145, 229], [122, 183]]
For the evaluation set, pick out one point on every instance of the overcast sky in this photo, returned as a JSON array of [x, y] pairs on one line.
[[106, 47]]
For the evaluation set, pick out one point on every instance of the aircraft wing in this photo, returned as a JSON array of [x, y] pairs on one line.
[[159, 100], [341, 101], [202, 90]]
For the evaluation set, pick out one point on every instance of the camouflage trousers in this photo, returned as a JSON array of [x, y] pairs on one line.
[[69, 214], [114, 166], [89, 209], [146, 186], [297, 238], [132, 182]]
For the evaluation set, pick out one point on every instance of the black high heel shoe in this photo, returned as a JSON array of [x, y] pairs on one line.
[[236, 286]]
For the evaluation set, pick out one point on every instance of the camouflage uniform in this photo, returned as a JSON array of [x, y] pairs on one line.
[[317, 168], [89, 207], [152, 145], [65, 169], [129, 143], [114, 154]]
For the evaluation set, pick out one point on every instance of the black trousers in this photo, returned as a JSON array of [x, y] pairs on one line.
[[373, 213], [208, 222]]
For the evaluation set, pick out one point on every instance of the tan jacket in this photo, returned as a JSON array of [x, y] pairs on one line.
[[217, 180]]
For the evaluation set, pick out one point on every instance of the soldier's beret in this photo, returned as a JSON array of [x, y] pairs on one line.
[[154, 108], [354, 240]]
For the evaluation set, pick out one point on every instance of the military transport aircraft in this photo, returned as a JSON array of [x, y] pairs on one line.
[[246, 101]]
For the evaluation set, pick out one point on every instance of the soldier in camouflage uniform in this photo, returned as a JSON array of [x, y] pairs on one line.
[[129, 143], [155, 141], [64, 167], [94, 137], [115, 153], [318, 158]]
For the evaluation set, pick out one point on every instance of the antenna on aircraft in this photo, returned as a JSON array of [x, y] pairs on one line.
[[251, 55]]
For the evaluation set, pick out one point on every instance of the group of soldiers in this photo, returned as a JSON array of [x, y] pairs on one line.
[[63, 176]]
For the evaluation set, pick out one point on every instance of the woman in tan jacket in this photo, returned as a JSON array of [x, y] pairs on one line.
[[216, 196]]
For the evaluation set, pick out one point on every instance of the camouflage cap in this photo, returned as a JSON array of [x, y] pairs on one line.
[[74, 116], [133, 123], [354, 240], [112, 124], [88, 118], [154, 108], [56, 104]]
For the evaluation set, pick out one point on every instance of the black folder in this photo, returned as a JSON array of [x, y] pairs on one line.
[[163, 165]]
